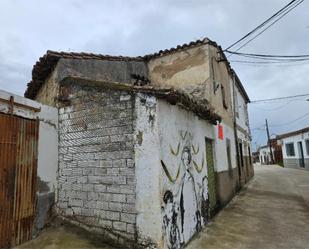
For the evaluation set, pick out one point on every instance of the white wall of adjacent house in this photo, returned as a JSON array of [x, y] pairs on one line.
[[265, 155], [303, 138], [184, 177], [48, 134], [221, 158], [171, 170]]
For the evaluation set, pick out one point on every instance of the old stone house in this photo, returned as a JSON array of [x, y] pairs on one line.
[[149, 147]]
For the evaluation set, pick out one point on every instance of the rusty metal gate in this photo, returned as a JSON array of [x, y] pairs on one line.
[[18, 171]]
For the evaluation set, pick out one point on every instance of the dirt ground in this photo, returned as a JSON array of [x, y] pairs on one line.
[[65, 237], [272, 213]]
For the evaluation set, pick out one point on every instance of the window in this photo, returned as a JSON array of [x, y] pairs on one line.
[[289, 148], [223, 97], [307, 146]]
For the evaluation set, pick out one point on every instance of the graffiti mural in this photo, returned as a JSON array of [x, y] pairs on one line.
[[185, 197]]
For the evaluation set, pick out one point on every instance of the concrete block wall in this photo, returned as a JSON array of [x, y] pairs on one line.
[[96, 167]]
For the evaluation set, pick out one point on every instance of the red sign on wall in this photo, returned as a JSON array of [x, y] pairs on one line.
[[220, 132]]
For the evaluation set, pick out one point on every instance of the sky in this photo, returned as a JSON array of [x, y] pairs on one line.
[[137, 27]]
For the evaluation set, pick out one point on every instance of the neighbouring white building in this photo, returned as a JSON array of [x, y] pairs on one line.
[[295, 149], [264, 154]]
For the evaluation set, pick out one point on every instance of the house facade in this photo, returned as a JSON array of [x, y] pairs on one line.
[[149, 147], [295, 149]]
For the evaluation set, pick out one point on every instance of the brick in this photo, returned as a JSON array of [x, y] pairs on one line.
[[105, 197], [87, 212], [90, 204], [119, 163], [93, 196], [81, 195], [102, 205], [106, 163], [94, 179], [100, 171], [131, 228], [112, 171], [120, 226], [77, 210], [115, 206], [118, 198], [130, 198], [129, 208], [82, 179], [129, 218], [99, 188], [130, 163], [87, 187], [105, 223], [75, 202], [109, 215]]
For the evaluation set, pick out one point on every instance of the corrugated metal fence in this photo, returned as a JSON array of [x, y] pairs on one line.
[[18, 172]]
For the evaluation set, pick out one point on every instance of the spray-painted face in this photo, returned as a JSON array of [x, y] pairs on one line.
[[186, 157]]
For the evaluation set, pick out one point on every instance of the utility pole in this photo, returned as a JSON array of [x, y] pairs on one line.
[[269, 143]]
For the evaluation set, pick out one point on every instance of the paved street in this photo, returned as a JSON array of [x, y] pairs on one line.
[[272, 213]]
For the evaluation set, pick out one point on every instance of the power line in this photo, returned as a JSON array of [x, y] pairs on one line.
[[293, 121], [288, 11], [282, 10], [280, 98], [284, 62], [278, 107], [267, 55]]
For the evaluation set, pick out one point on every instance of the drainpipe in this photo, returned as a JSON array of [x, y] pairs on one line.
[[235, 132]]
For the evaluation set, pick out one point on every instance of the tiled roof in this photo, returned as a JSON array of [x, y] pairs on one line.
[[46, 64], [180, 47]]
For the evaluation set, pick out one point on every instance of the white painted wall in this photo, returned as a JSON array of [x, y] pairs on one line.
[[162, 132], [220, 148], [147, 169], [183, 179], [265, 151], [295, 139], [48, 135]]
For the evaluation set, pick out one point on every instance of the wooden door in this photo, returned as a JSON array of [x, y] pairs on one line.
[[18, 171]]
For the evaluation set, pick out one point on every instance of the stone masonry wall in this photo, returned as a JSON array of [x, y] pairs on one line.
[[96, 167]]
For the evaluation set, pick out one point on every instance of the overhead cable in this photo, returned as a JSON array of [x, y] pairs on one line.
[[279, 98], [282, 12]]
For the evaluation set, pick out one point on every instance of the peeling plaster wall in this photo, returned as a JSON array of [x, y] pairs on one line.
[[220, 77], [148, 171], [187, 70], [183, 180]]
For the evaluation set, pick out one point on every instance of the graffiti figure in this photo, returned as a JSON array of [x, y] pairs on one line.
[[190, 216], [172, 238], [205, 201], [186, 203]]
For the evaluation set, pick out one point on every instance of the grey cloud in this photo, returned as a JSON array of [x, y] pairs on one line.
[[136, 27]]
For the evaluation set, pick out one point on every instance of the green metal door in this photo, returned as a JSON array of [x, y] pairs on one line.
[[211, 174]]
